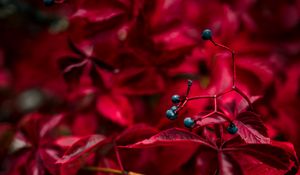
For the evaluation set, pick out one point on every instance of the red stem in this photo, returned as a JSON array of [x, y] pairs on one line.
[[69, 68], [220, 162], [213, 113], [199, 97], [118, 157], [223, 93], [188, 88], [187, 99], [206, 116], [215, 103], [110, 171], [233, 60], [236, 89]]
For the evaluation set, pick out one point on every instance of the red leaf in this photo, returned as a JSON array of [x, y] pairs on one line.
[[81, 121], [228, 165], [49, 157], [252, 166], [174, 39], [97, 16], [250, 135], [158, 159], [115, 108], [244, 104], [253, 120], [254, 72], [289, 148], [214, 119], [133, 82], [272, 156], [171, 137], [50, 124], [165, 13], [206, 162], [251, 128], [266, 153], [76, 155], [35, 126], [240, 159], [162, 153], [135, 133], [66, 142]]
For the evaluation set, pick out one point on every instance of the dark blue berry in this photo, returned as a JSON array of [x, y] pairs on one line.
[[190, 82], [170, 114], [232, 129], [174, 108], [189, 122], [175, 99], [48, 2], [207, 34]]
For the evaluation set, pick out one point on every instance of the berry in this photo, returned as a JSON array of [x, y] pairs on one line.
[[175, 99], [232, 129], [48, 2], [189, 122], [207, 34], [174, 108], [171, 115], [190, 82]]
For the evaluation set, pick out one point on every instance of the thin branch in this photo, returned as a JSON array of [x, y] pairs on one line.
[[244, 96], [233, 60], [110, 170], [105, 170], [118, 156]]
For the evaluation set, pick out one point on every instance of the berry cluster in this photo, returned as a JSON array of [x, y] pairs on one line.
[[180, 101]]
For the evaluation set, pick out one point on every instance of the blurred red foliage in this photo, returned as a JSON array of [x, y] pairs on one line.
[[85, 85]]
